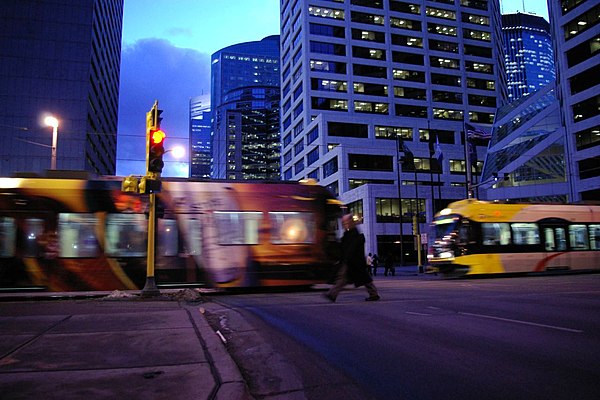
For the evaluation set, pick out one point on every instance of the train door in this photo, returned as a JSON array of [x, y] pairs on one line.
[[555, 246]]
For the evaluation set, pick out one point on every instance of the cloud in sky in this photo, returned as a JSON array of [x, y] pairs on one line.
[[155, 69]]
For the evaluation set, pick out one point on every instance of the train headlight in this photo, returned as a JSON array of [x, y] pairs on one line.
[[293, 230], [292, 227], [446, 254]]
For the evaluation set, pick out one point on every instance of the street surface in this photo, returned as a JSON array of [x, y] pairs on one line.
[[428, 338]]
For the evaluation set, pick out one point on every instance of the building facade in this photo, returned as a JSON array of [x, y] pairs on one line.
[[249, 131], [526, 159], [60, 58], [576, 32], [528, 53], [245, 104], [366, 82], [200, 137]]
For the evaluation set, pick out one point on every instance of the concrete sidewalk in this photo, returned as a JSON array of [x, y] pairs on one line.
[[113, 347]]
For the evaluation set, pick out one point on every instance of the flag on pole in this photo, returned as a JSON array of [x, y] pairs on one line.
[[476, 133], [472, 153], [408, 160], [438, 155]]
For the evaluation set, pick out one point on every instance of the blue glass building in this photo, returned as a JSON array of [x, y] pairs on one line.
[[245, 103], [548, 143], [200, 129], [527, 151], [528, 54]]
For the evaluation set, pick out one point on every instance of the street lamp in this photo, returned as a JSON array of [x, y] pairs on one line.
[[53, 122]]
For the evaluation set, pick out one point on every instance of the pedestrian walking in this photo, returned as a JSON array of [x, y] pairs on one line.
[[353, 267], [389, 265], [370, 264], [375, 264]]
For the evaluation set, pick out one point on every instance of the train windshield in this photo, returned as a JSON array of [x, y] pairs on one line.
[[445, 225]]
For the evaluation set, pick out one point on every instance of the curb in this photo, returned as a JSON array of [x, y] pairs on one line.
[[231, 383]]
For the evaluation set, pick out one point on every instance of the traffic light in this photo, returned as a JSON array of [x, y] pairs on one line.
[[148, 185], [156, 150], [130, 184], [155, 140]]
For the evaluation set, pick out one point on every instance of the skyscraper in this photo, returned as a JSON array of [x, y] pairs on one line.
[[576, 31], [60, 58], [245, 104], [528, 56], [200, 129], [364, 79]]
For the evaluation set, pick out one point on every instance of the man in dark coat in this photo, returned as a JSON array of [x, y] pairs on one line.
[[353, 265]]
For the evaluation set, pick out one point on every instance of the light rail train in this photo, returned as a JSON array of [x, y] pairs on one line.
[[472, 237], [89, 235]]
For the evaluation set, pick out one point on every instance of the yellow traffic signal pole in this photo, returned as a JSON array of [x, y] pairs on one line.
[[417, 233], [150, 289]]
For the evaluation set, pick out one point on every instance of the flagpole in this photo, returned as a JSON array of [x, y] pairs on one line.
[[431, 169], [468, 162], [440, 171], [400, 201]]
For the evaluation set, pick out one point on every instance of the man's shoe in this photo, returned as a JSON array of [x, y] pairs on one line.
[[372, 298], [329, 297]]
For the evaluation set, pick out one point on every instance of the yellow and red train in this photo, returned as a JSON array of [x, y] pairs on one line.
[[472, 237], [89, 235]]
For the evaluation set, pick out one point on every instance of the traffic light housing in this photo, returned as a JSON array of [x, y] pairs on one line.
[[148, 185], [156, 150], [155, 141], [130, 184]]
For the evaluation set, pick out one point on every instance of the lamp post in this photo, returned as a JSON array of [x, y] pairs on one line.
[[53, 122]]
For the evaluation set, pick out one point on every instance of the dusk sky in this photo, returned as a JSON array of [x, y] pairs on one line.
[[166, 52]]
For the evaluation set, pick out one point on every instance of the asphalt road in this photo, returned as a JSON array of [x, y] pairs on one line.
[[428, 338]]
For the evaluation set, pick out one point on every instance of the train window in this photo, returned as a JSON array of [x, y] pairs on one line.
[[494, 234], [554, 239], [33, 239], [561, 238], [192, 229], [578, 238], [7, 237], [594, 237], [550, 244], [126, 235], [292, 227], [237, 227], [525, 233], [77, 235], [168, 237]]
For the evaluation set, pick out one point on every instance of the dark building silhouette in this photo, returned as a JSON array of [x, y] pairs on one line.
[[60, 58]]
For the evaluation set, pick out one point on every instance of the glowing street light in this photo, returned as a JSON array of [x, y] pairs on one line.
[[178, 152], [53, 122]]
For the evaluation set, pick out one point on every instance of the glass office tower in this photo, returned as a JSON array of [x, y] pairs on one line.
[[528, 55], [200, 129], [245, 104], [61, 59]]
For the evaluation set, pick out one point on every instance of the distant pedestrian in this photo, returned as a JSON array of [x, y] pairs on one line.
[[370, 264], [375, 264], [389, 265], [353, 264]]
